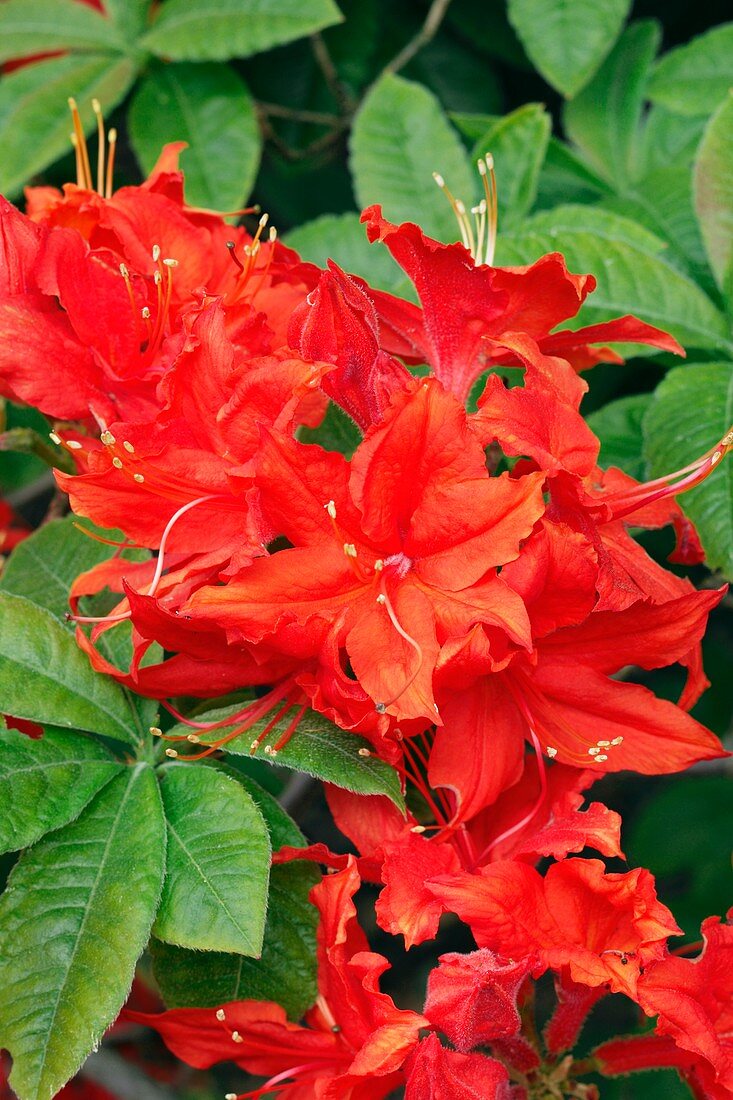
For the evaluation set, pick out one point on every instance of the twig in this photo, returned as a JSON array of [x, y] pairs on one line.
[[330, 74], [427, 32], [296, 115]]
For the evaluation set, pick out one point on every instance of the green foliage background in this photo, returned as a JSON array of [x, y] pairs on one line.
[[611, 125]]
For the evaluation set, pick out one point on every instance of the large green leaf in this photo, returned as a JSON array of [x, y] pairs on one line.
[[317, 747], [694, 78], [603, 121], [46, 678], [34, 26], [565, 177], [518, 143], [342, 237], [47, 782], [34, 126], [691, 410], [43, 566], [213, 30], [210, 107], [632, 278], [286, 972], [217, 863], [567, 39], [129, 16], [400, 137], [74, 918], [667, 140], [714, 192], [618, 426], [662, 202]]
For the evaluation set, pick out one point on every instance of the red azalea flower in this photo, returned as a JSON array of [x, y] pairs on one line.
[[470, 310], [398, 551], [435, 1073], [354, 1042], [126, 269], [605, 928], [472, 998], [13, 529]]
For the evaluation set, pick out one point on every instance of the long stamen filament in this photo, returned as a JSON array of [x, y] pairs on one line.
[[385, 601], [112, 146], [86, 169], [100, 145]]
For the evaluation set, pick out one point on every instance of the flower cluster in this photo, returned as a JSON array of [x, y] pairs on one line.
[[461, 591]]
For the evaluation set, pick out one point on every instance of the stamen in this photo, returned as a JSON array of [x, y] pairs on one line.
[[488, 179], [626, 503], [384, 600], [233, 255], [86, 170], [100, 145], [168, 528], [112, 144]]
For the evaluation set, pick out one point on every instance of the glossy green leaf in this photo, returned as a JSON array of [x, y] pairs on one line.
[[342, 237], [618, 426], [209, 107], [667, 140], [43, 567], [567, 39], [714, 191], [74, 918], [603, 121], [47, 782], [286, 972], [694, 78], [29, 27], [565, 177], [129, 16], [336, 432], [46, 678], [34, 126], [217, 863], [400, 137], [213, 30], [317, 747], [518, 143], [632, 277], [662, 203], [691, 410]]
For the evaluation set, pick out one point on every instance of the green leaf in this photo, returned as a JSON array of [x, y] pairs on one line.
[[129, 16], [691, 410], [73, 920], [43, 567], [213, 30], [317, 747], [713, 184], [400, 137], [34, 123], [668, 141], [217, 863], [632, 278], [46, 783], [662, 202], [567, 39], [694, 78], [566, 178], [342, 237], [209, 107], [286, 972], [30, 27], [46, 678], [618, 426], [518, 144], [603, 121], [336, 432]]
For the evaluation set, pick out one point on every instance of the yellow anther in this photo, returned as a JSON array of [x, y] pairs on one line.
[[117, 463]]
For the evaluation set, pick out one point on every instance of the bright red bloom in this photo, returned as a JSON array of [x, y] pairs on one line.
[[397, 552], [355, 1041], [470, 311], [126, 270], [472, 998], [435, 1073], [338, 323], [605, 928]]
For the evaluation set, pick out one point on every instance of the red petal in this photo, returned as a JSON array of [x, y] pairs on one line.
[[472, 998], [435, 1073]]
